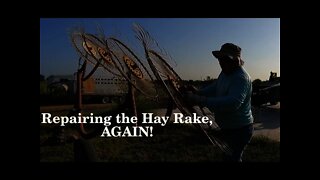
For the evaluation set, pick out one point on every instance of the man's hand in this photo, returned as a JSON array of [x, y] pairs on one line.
[[184, 89], [193, 99], [192, 88]]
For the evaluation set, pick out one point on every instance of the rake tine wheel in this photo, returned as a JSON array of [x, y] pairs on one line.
[[170, 80]]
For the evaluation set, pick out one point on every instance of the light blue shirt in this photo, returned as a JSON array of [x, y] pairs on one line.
[[230, 99]]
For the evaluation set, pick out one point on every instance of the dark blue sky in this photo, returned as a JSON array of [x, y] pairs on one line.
[[189, 41]]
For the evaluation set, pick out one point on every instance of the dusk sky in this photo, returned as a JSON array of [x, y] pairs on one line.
[[189, 41]]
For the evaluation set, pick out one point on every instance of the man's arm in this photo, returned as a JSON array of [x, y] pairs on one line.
[[236, 96], [209, 90]]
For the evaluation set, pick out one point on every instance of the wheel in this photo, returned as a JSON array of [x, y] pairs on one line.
[[105, 100]]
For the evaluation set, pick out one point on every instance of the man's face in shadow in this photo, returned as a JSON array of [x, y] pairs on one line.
[[227, 64]]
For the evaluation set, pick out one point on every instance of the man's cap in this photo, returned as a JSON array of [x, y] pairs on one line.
[[228, 49]]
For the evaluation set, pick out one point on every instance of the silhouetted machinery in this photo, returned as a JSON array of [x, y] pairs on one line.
[[267, 91]]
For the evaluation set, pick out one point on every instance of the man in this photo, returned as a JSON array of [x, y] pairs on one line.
[[230, 100]]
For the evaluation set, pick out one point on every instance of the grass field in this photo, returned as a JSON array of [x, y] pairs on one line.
[[172, 143]]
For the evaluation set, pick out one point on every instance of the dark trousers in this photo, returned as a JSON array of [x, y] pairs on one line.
[[237, 140]]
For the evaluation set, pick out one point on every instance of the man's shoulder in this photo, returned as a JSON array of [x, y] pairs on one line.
[[242, 74]]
